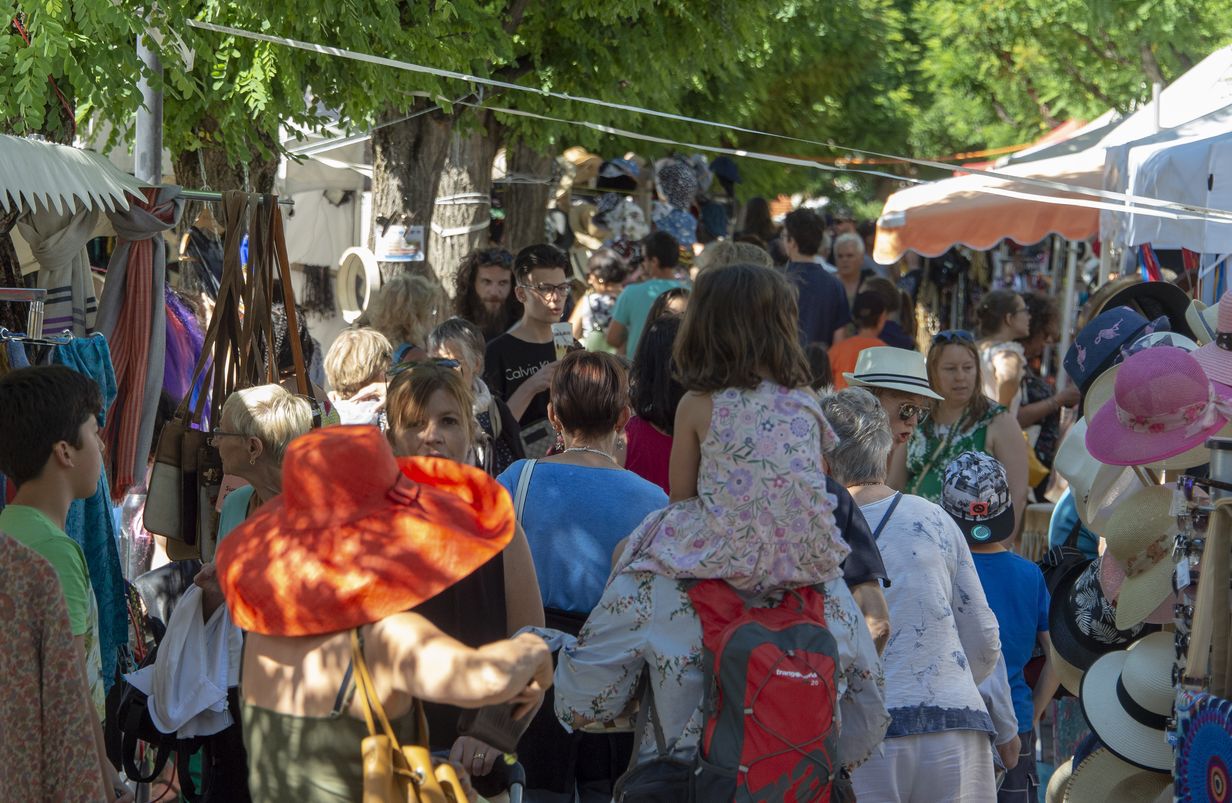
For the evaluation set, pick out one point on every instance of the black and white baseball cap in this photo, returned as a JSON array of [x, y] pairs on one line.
[[976, 494]]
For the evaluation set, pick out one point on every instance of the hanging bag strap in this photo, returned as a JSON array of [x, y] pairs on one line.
[[519, 496], [647, 714], [278, 241], [898, 497]]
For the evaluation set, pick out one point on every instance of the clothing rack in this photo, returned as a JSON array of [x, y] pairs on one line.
[[34, 296]]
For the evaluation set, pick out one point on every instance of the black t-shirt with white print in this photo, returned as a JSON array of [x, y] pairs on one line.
[[508, 362]]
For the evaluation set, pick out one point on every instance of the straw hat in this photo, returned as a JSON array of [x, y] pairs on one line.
[[1093, 483], [1069, 675], [1140, 536], [1163, 405], [1102, 778], [1058, 784], [1216, 357], [1101, 392], [358, 278], [358, 535], [892, 368], [1112, 577], [1127, 699], [1203, 321]]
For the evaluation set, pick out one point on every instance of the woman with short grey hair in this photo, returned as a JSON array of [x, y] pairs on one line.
[[944, 639]]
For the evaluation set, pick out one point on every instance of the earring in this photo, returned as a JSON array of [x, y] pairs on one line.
[[252, 461]]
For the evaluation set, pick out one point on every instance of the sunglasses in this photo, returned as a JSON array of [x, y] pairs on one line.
[[411, 365], [546, 290], [907, 410], [953, 336]]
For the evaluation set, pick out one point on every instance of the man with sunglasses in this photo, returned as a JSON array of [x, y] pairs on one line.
[[899, 380], [661, 255], [518, 365]]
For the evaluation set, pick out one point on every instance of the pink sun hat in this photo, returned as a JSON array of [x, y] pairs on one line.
[[1216, 357], [1162, 404]]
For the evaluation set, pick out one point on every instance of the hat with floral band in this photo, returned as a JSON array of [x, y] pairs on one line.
[[976, 494], [1112, 577], [358, 535], [1140, 535], [1216, 357], [1127, 698], [1162, 405], [1097, 346], [1101, 389]]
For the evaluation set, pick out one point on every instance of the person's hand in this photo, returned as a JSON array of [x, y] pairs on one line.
[[211, 589], [1009, 752], [473, 755], [541, 380], [1068, 396], [374, 392]]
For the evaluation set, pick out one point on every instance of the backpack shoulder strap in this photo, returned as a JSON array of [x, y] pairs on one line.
[[647, 713], [519, 497], [898, 497]]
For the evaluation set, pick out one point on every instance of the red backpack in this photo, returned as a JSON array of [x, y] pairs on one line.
[[771, 698]]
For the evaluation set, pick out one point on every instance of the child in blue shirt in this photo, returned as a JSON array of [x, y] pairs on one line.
[[976, 495]]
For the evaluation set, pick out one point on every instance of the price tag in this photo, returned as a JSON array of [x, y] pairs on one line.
[[1183, 578]]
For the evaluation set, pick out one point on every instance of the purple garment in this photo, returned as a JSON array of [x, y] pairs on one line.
[[184, 342]]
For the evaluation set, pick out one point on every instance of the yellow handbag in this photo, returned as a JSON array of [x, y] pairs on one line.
[[394, 773]]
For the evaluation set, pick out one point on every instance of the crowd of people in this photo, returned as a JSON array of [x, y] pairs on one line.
[[562, 537]]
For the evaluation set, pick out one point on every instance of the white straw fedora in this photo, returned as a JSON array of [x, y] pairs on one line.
[[358, 278], [1127, 698], [1203, 320], [1094, 484], [1140, 535], [1102, 777], [894, 369]]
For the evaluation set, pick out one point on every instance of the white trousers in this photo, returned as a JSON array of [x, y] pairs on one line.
[[929, 768]]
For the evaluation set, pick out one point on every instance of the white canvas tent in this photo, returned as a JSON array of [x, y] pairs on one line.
[[980, 211], [1191, 165]]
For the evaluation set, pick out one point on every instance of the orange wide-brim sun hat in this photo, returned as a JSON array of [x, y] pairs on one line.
[[358, 535]]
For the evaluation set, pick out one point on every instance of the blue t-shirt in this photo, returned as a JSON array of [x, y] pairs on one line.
[[634, 304], [573, 517], [822, 301], [1064, 517], [1016, 593]]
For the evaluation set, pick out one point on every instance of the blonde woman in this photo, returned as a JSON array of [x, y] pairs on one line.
[[404, 310], [355, 368]]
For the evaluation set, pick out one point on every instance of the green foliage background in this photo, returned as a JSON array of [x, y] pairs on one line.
[[923, 77]]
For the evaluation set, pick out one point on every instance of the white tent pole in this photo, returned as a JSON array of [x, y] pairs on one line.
[[1070, 294]]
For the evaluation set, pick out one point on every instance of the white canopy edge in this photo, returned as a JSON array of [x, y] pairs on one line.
[[45, 174]]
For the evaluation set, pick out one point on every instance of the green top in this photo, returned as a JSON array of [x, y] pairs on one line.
[[634, 304], [31, 527], [294, 759], [932, 448]]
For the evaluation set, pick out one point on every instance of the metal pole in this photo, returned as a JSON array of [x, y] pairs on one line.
[[148, 151], [1069, 294]]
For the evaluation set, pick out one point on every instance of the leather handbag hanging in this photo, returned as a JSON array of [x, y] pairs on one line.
[[394, 772], [187, 476]]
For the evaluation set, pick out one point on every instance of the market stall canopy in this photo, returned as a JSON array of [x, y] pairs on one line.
[[979, 211], [1191, 165], [57, 177]]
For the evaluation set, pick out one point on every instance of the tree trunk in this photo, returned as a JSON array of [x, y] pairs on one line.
[[463, 205], [406, 160], [526, 203], [257, 174]]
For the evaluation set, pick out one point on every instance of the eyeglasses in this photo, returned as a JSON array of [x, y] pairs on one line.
[[907, 410], [953, 336], [411, 365], [215, 434], [545, 290]]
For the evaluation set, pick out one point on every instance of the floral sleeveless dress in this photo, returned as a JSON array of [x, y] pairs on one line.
[[932, 448], [762, 518]]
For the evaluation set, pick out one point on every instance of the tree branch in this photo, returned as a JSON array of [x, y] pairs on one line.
[[1150, 65], [513, 16]]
